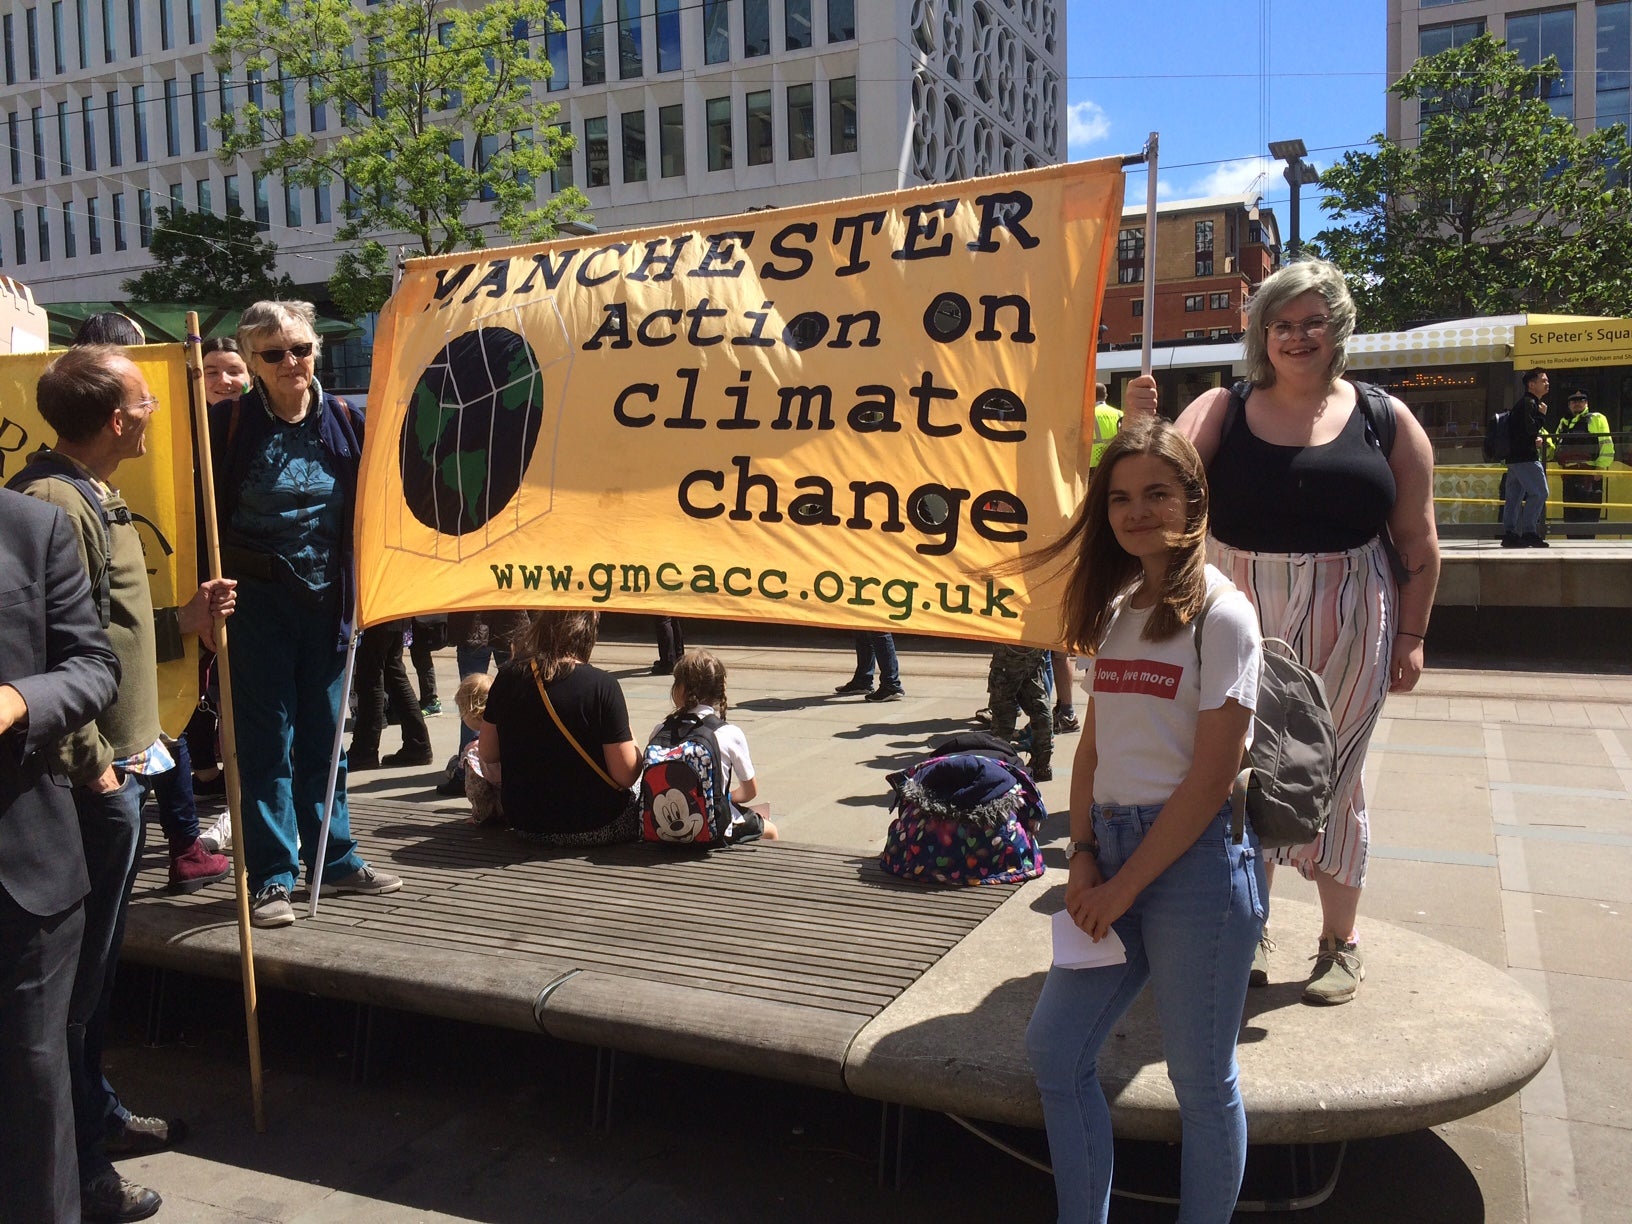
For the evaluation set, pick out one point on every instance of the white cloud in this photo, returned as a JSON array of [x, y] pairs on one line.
[[1233, 178], [1086, 124]]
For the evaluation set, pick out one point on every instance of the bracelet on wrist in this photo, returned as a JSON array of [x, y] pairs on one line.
[[1404, 633]]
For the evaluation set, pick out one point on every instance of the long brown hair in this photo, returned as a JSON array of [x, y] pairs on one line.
[[559, 641], [701, 678], [1101, 570]]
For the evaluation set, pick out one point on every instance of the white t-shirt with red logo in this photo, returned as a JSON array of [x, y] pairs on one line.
[[1147, 694]]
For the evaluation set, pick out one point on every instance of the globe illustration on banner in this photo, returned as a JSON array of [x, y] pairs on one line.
[[470, 429]]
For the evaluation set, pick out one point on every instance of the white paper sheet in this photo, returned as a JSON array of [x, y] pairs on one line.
[[1074, 950]]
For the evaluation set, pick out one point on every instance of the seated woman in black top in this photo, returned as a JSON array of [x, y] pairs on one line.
[[563, 782]]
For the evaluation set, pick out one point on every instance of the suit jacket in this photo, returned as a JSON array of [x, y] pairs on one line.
[[54, 653]]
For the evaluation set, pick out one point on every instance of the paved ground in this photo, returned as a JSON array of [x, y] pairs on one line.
[[1502, 808]]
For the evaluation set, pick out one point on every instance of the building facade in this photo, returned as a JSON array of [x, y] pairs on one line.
[[1210, 255], [679, 109], [1591, 39]]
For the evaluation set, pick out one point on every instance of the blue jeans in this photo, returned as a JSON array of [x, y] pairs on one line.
[[1191, 933], [473, 661], [1525, 508], [173, 796], [880, 646], [286, 679], [110, 826]]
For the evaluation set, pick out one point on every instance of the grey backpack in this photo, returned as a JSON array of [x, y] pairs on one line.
[[1285, 785]]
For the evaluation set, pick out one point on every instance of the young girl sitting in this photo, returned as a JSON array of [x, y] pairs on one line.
[[480, 789], [1152, 853], [699, 688]]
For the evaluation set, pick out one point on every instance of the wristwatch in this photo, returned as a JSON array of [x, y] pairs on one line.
[[1080, 847]]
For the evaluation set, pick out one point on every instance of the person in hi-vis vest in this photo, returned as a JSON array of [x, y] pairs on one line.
[[1107, 421], [1581, 444]]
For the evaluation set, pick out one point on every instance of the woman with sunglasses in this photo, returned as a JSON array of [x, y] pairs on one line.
[[286, 457], [1314, 479]]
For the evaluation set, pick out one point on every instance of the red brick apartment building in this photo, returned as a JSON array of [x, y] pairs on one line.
[[1210, 255]]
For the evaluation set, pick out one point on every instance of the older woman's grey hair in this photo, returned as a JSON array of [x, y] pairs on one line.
[[294, 320], [1272, 297]]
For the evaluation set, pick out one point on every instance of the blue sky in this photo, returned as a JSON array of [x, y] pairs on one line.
[[1196, 71]]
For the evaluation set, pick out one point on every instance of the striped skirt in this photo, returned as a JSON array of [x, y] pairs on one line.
[[1337, 612]]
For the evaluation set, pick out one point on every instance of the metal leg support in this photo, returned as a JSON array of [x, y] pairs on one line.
[[155, 1007], [606, 1069], [362, 1043], [892, 1144]]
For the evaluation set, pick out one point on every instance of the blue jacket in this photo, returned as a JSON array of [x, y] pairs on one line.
[[237, 433]]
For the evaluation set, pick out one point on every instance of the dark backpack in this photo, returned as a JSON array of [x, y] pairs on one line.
[[1497, 445], [683, 797], [1290, 770], [45, 463]]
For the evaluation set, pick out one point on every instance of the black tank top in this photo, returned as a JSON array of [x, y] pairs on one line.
[[1300, 499]]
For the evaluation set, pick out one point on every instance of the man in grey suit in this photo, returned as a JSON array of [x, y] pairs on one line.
[[57, 673]]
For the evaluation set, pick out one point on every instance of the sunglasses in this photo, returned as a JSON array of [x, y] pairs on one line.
[[276, 356]]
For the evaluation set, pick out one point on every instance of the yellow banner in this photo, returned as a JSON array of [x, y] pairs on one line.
[[1573, 343], [158, 487], [844, 413]]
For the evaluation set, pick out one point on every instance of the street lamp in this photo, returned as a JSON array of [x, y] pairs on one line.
[[1298, 172]]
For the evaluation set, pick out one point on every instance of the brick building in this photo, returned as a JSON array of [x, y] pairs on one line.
[[1210, 255]]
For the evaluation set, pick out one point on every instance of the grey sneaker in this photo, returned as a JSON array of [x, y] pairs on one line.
[[116, 1199], [1259, 974], [271, 907], [1339, 970], [365, 881]]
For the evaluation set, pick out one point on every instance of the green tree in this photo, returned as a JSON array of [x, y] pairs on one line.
[[1499, 205], [205, 259], [430, 111]]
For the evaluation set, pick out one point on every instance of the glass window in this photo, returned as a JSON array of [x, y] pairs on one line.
[[291, 204], [235, 205], [796, 23], [166, 25], [87, 132], [1534, 37], [592, 55], [15, 142], [668, 35], [93, 224], [321, 208], [138, 115], [634, 146], [58, 39], [1130, 256], [671, 133], [6, 24], [719, 133], [70, 240], [631, 59], [108, 52], [195, 22], [1138, 305], [801, 122], [115, 153], [487, 148], [286, 104], [716, 31], [1195, 301], [172, 119], [1614, 81], [760, 128], [201, 114], [1431, 40], [82, 27], [456, 150], [175, 196], [451, 98], [202, 195], [756, 27], [263, 202], [318, 112], [133, 22], [65, 141], [37, 125], [19, 235], [555, 45], [841, 20], [597, 158], [561, 173], [31, 25], [42, 226], [841, 114], [1218, 301], [144, 217]]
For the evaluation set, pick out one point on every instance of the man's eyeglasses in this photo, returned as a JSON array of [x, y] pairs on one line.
[[151, 403], [1309, 329], [276, 356]]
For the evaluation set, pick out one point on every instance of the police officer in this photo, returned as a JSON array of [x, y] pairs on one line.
[[1582, 444]]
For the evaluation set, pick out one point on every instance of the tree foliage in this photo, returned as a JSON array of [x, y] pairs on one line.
[[1499, 205], [204, 259], [430, 116]]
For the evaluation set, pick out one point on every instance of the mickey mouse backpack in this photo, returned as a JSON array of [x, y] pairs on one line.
[[683, 797]]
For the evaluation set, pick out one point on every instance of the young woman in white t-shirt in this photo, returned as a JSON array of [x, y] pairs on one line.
[[1151, 851], [699, 688]]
